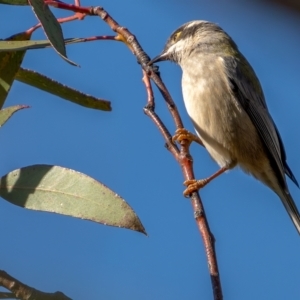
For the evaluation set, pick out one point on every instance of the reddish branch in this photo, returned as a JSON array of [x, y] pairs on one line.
[[25, 292], [72, 7], [80, 13], [182, 156]]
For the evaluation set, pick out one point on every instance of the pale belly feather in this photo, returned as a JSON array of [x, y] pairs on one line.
[[220, 121]]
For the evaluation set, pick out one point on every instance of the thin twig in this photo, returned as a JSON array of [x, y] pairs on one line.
[[71, 7], [149, 111], [150, 95], [77, 16]]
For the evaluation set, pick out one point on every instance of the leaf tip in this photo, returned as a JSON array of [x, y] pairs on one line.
[[24, 106], [138, 226]]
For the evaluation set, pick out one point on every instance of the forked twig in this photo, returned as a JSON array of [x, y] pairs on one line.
[[182, 156]]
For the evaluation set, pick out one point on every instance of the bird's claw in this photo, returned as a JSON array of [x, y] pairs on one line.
[[193, 186], [183, 134]]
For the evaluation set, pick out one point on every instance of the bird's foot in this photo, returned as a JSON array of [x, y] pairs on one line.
[[183, 134], [193, 186]]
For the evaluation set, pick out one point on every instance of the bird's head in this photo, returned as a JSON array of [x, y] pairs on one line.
[[196, 37]]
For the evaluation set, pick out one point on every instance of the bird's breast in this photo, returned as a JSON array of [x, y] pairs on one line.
[[218, 117]]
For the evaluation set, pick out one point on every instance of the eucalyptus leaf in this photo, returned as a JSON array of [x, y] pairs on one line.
[[49, 85], [10, 63], [51, 27], [34, 44], [67, 192], [7, 112], [14, 2]]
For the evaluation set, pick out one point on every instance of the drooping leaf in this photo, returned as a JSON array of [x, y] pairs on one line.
[[10, 63], [7, 112], [35, 44], [51, 27], [64, 191], [51, 86], [14, 2]]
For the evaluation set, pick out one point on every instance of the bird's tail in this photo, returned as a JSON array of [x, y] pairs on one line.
[[291, 208]]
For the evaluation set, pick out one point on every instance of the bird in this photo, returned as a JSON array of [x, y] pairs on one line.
[[226, 103]]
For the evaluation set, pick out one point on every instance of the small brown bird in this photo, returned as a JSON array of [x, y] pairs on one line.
[[225, 101]]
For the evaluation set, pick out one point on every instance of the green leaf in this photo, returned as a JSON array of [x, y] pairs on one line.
[[64, 191], [14, 2], [6, 113], [35, 44], [51, 86], [10, 63], [51, 27]]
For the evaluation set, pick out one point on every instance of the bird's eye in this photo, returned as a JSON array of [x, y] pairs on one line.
[[176, 36]]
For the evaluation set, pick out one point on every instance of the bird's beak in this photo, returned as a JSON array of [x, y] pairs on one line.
[[160, 57]]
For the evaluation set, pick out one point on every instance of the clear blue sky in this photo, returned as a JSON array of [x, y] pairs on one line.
[[258, 247]]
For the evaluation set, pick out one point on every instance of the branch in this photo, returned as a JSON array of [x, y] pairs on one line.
[[182, 156], [25, 292], [71, 7]]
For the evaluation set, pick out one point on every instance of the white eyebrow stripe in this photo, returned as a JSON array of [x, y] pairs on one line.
[[193, 23]]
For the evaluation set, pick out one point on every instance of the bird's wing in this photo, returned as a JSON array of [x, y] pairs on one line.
[[248, 91]]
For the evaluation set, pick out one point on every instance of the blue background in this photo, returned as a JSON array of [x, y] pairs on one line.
[[257, 245]]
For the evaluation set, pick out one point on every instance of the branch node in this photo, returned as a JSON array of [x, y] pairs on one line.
[[98, 10], [198, 214], [150, 106], [171, 106], [130, 39]]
